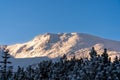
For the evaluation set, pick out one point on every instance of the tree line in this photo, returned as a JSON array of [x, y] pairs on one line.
[[98, 67]]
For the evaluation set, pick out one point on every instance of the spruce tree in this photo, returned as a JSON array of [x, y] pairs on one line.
[[93, 52], [105, 56], [116, 60], [4, 66]]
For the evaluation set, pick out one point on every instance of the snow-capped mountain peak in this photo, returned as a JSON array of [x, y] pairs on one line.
[[56, 45]]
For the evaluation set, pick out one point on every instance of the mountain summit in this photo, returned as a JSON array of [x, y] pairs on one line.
[[56, 45]]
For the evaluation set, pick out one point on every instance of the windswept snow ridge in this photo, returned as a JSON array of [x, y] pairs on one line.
[[56, 45]]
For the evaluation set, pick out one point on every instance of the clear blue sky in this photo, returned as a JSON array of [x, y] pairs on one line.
[[21, 20]]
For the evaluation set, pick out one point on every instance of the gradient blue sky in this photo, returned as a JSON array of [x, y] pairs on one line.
[[21, 20]]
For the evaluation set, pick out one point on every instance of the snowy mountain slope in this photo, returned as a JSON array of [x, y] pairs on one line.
[[56, 45]]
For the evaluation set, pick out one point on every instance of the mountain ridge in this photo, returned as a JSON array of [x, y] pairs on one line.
[[56, 45]]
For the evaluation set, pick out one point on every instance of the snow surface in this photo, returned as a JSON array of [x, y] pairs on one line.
[[49, 46]]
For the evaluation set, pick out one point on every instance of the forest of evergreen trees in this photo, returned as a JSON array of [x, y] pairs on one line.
[[98, 67]]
